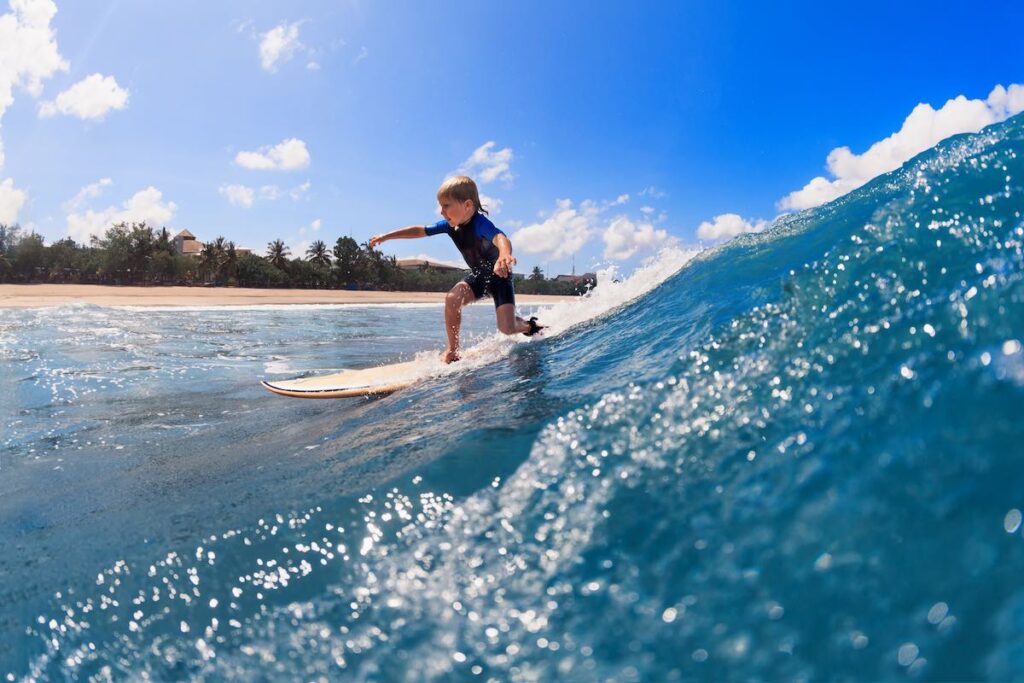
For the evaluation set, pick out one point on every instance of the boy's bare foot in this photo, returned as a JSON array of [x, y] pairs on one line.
[[449, 356]]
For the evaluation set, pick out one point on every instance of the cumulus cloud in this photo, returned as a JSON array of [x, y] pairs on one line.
[[562, 233], [278, 45], [239, 195], [922, 129], [146, 205], [11, 201], [289, 155], [487, 164], [623, 238], [727, 226], [90, 191], [28, 51], [89, 99]]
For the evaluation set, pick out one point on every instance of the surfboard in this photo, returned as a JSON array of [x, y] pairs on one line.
[[378, 381]]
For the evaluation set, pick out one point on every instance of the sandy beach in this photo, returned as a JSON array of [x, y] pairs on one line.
[[42, 295]]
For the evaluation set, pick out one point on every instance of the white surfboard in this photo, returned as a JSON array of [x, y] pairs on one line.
[[377, 381]]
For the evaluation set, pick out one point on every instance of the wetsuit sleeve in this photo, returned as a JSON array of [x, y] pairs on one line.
[[486, 229], [437, 228]]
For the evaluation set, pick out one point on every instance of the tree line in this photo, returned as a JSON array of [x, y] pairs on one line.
[[136, 254]]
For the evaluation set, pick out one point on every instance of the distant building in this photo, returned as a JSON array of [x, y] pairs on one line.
[[424, 264], [186, 244], [577, 279]]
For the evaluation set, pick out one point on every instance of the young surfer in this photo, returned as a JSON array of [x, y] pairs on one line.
[[487, 252]]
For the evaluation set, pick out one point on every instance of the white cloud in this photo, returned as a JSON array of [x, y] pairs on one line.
[[922, 129], [298, 192], [647, 210], [623, 238], [11, 201], [492, 204], [313, 66], [652, 192], [90, 191], [239, 195], [489, 165], [278, 45], [91, 98], [561, 234], [363, 54], [316, 225], [620, 200], [146, 205], [28, 51], [270, 192], [289, 155], [727, 226]]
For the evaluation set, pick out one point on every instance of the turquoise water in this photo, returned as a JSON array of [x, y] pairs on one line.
[[798, 457]]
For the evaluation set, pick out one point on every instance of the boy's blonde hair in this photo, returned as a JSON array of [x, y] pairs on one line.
[[460, 188]]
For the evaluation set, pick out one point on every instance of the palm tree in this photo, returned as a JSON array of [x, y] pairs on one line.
[[537, 273], [317, 254], [277, 253], [231, 260], [209, 260]]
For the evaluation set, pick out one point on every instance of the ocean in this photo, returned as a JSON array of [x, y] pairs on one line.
[[797, 456]]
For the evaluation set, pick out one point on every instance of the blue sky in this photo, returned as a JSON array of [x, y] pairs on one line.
[[607, 130]]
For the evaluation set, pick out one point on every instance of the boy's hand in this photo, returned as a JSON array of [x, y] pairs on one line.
[[503, 266], [375, 240]]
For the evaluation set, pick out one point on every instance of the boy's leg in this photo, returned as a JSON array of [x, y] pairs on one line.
[[460, 295], [509, 322]]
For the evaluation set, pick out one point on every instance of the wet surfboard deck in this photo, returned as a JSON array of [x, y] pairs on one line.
[[378, 381]]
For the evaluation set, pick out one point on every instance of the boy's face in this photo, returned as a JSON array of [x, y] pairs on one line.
[[456, 212]]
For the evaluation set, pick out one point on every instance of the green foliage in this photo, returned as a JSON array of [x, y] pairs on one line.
[[136, 254]]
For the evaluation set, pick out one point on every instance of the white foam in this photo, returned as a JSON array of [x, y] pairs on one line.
[[609, 295]]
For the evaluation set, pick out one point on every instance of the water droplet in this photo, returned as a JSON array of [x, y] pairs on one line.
[[1011, 522], [823, 562], [907, 654]]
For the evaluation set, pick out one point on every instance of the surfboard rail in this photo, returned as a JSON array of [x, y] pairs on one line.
[[350, 392], [377, 381]]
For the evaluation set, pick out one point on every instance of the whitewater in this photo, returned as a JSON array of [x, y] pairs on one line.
[[794, 456]]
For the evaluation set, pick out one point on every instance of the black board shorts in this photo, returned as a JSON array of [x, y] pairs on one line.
[[488, 284]]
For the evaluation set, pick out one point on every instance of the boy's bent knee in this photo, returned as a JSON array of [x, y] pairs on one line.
[[455, 298]]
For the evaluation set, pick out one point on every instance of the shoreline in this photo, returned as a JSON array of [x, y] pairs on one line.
[[49, 295]]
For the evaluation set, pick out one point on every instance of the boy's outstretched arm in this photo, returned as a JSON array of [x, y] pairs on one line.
[[412, 232], [503, 266]]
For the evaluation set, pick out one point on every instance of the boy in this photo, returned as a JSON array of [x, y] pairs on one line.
[[488, 254]]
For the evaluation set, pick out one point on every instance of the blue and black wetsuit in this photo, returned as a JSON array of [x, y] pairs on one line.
[[475, 239]]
